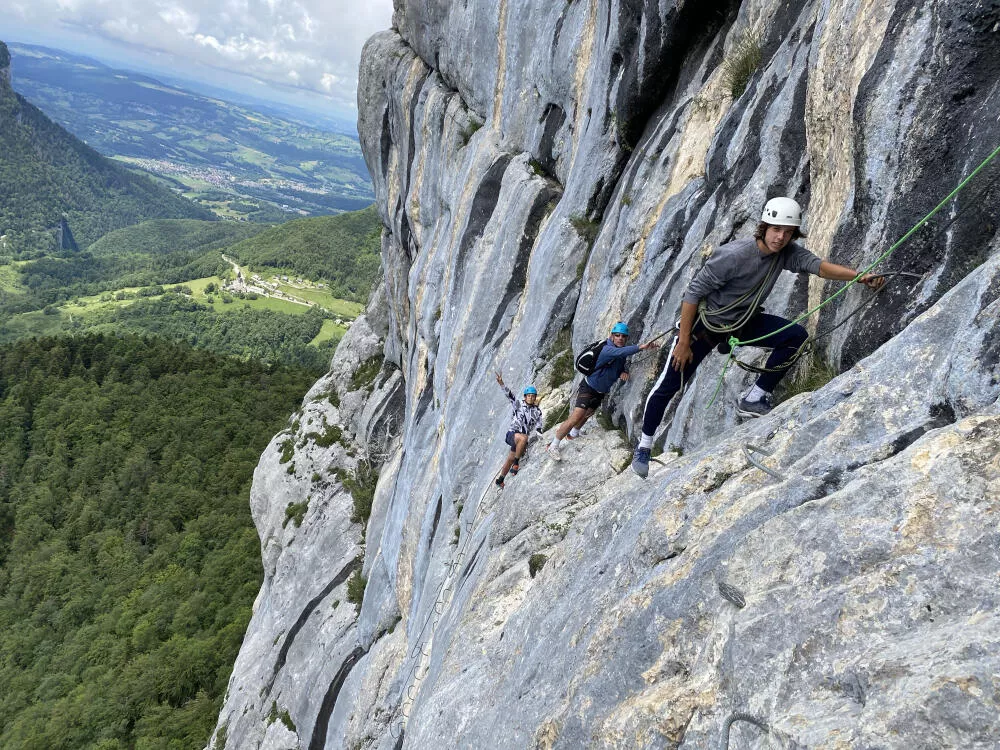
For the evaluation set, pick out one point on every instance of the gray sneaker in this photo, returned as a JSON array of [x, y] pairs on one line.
[[640, 461], [754, 408]]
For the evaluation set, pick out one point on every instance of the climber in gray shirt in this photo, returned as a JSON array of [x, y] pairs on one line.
[[724, 299], [740, 267]]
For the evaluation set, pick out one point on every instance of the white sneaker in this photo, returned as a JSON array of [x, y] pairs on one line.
[[553, 450]]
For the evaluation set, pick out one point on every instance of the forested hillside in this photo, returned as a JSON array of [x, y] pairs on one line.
[[342, 250], [128, 559], [161, 236], [260, 335], [165, 251], [45, 172]]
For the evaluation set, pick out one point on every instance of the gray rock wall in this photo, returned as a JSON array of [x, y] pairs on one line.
[[5, 77], [544, 169]]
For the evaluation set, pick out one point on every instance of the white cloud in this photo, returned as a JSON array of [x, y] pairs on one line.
[[183, 22], [328, 82], [313, 45]]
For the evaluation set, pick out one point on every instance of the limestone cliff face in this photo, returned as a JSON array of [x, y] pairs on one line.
[[544, 169], [5, 79]]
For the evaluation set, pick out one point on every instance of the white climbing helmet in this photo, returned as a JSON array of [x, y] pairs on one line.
[[783, 212]]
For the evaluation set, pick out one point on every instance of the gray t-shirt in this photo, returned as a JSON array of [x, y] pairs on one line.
[[737, 267]]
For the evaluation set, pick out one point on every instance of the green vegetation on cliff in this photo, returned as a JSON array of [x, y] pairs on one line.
[[128, 558]]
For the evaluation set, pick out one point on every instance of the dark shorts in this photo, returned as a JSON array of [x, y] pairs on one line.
[[510, 438], [587, 397]]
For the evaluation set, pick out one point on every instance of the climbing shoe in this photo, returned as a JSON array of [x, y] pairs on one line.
[[640, 462], [516, 467], [499, 482], [753, 408]]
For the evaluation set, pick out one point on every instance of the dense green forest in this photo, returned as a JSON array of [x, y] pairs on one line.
[[342, 250], [128, 559], [45, 172], [262, 335], [165, 236]]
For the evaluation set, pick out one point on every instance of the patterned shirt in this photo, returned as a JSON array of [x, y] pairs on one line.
[[525, 418]]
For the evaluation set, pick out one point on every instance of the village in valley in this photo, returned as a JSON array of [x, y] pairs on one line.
[[280, 286]]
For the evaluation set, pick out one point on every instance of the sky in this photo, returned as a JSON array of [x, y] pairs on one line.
[[300, 52]]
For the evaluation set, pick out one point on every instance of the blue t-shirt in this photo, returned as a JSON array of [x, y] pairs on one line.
[[610, 365]]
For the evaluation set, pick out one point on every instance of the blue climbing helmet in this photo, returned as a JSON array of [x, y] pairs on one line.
[[620, 327], [530, 391]]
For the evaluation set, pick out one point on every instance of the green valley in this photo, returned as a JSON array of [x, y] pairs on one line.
[[284, 294]]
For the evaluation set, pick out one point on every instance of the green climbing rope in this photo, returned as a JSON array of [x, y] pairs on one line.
[[734, 342]]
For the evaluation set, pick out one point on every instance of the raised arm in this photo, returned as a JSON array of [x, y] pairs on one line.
[[510, 395]]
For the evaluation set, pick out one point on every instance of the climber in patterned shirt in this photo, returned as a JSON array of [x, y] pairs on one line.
[[527, 417]]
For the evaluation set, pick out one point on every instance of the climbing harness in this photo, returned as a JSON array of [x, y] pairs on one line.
[[810, 342], [735, 342]]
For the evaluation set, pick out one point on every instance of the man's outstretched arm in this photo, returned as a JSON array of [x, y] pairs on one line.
[[835, 272]]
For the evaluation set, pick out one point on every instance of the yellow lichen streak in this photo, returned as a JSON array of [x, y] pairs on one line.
[[850, 35], [584, 53], [501, 65], [702, 118]]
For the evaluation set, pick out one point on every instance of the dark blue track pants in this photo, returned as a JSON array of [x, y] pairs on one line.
[[783, 344]]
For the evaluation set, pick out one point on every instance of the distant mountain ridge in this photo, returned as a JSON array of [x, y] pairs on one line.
[[46, 173], [226, 156]]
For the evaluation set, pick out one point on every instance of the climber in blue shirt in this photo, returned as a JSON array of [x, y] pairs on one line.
[[611, 366]]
